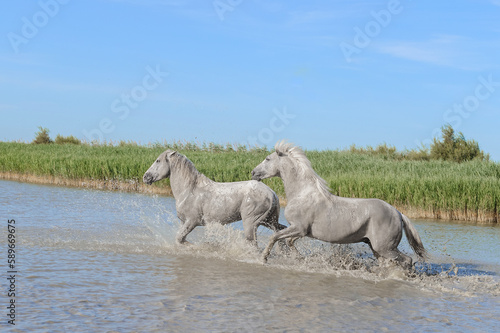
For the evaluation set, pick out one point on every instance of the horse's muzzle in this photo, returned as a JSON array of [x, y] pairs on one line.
[[148, 178], [256, 176]]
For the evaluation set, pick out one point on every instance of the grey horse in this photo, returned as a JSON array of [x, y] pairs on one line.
[[200, 200], [313, 211]]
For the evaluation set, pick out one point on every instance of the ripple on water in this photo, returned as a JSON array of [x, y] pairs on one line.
[[110, 263]]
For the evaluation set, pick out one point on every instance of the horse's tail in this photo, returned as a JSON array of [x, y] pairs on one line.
[[273, 213], [413, 237]]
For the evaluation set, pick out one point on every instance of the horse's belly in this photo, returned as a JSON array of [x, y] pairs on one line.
[[338, 233], [223, 217], [222, 211]]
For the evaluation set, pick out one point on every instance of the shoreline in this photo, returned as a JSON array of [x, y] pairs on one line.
[[483, 218], [95, 184]]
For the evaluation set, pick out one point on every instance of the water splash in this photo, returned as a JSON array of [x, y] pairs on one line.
[[132, 224]]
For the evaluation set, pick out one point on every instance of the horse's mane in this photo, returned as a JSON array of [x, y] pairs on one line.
[[187, 169], [303, 164]]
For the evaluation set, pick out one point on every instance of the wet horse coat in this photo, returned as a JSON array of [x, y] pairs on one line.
[[200, 200], [313, 211]]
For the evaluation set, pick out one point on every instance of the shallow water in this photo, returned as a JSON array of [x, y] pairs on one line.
[[105, 261]]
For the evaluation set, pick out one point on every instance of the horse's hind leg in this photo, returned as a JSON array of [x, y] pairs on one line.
[[405, 261], [250, 231], [397, 256], [291, 244], [250, 225]]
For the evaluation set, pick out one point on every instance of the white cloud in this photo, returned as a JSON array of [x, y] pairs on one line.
[[443, 50], [416, 51]]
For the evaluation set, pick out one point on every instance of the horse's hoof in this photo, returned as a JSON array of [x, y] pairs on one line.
[[264, 260]]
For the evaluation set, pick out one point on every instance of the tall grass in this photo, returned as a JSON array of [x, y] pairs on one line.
[[468, 190]]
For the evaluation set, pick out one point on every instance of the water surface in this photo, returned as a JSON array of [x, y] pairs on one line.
[[106, 261]]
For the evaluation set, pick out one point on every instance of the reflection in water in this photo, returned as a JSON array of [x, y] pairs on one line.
[[98, 261]]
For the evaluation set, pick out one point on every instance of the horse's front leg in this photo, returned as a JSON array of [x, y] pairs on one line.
[[184, 230], [291, 232], [282, 245]]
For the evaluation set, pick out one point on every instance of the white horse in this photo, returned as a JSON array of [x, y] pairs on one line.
[[313, 211], [200, 200]]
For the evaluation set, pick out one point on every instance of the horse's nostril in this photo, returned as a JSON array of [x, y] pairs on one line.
[[147, 178]]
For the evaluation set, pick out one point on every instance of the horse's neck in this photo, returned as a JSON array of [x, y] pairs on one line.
[[293, 182], [297, 183], [183, 182]]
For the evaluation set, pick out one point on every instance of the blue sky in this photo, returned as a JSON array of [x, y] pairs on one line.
[[322, 74]]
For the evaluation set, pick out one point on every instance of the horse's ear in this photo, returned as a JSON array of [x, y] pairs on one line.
[[280, 154], [171, 153]]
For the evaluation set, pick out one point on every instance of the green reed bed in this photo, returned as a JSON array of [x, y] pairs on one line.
[[465, 191]]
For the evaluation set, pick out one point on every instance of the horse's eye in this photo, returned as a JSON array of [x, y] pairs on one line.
[[267, 158], [157, 161]]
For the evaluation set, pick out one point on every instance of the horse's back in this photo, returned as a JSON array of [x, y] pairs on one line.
[[242, 189], [233, 201]]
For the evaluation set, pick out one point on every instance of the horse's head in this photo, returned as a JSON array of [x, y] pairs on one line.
[[268, 168], [160, 168]]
